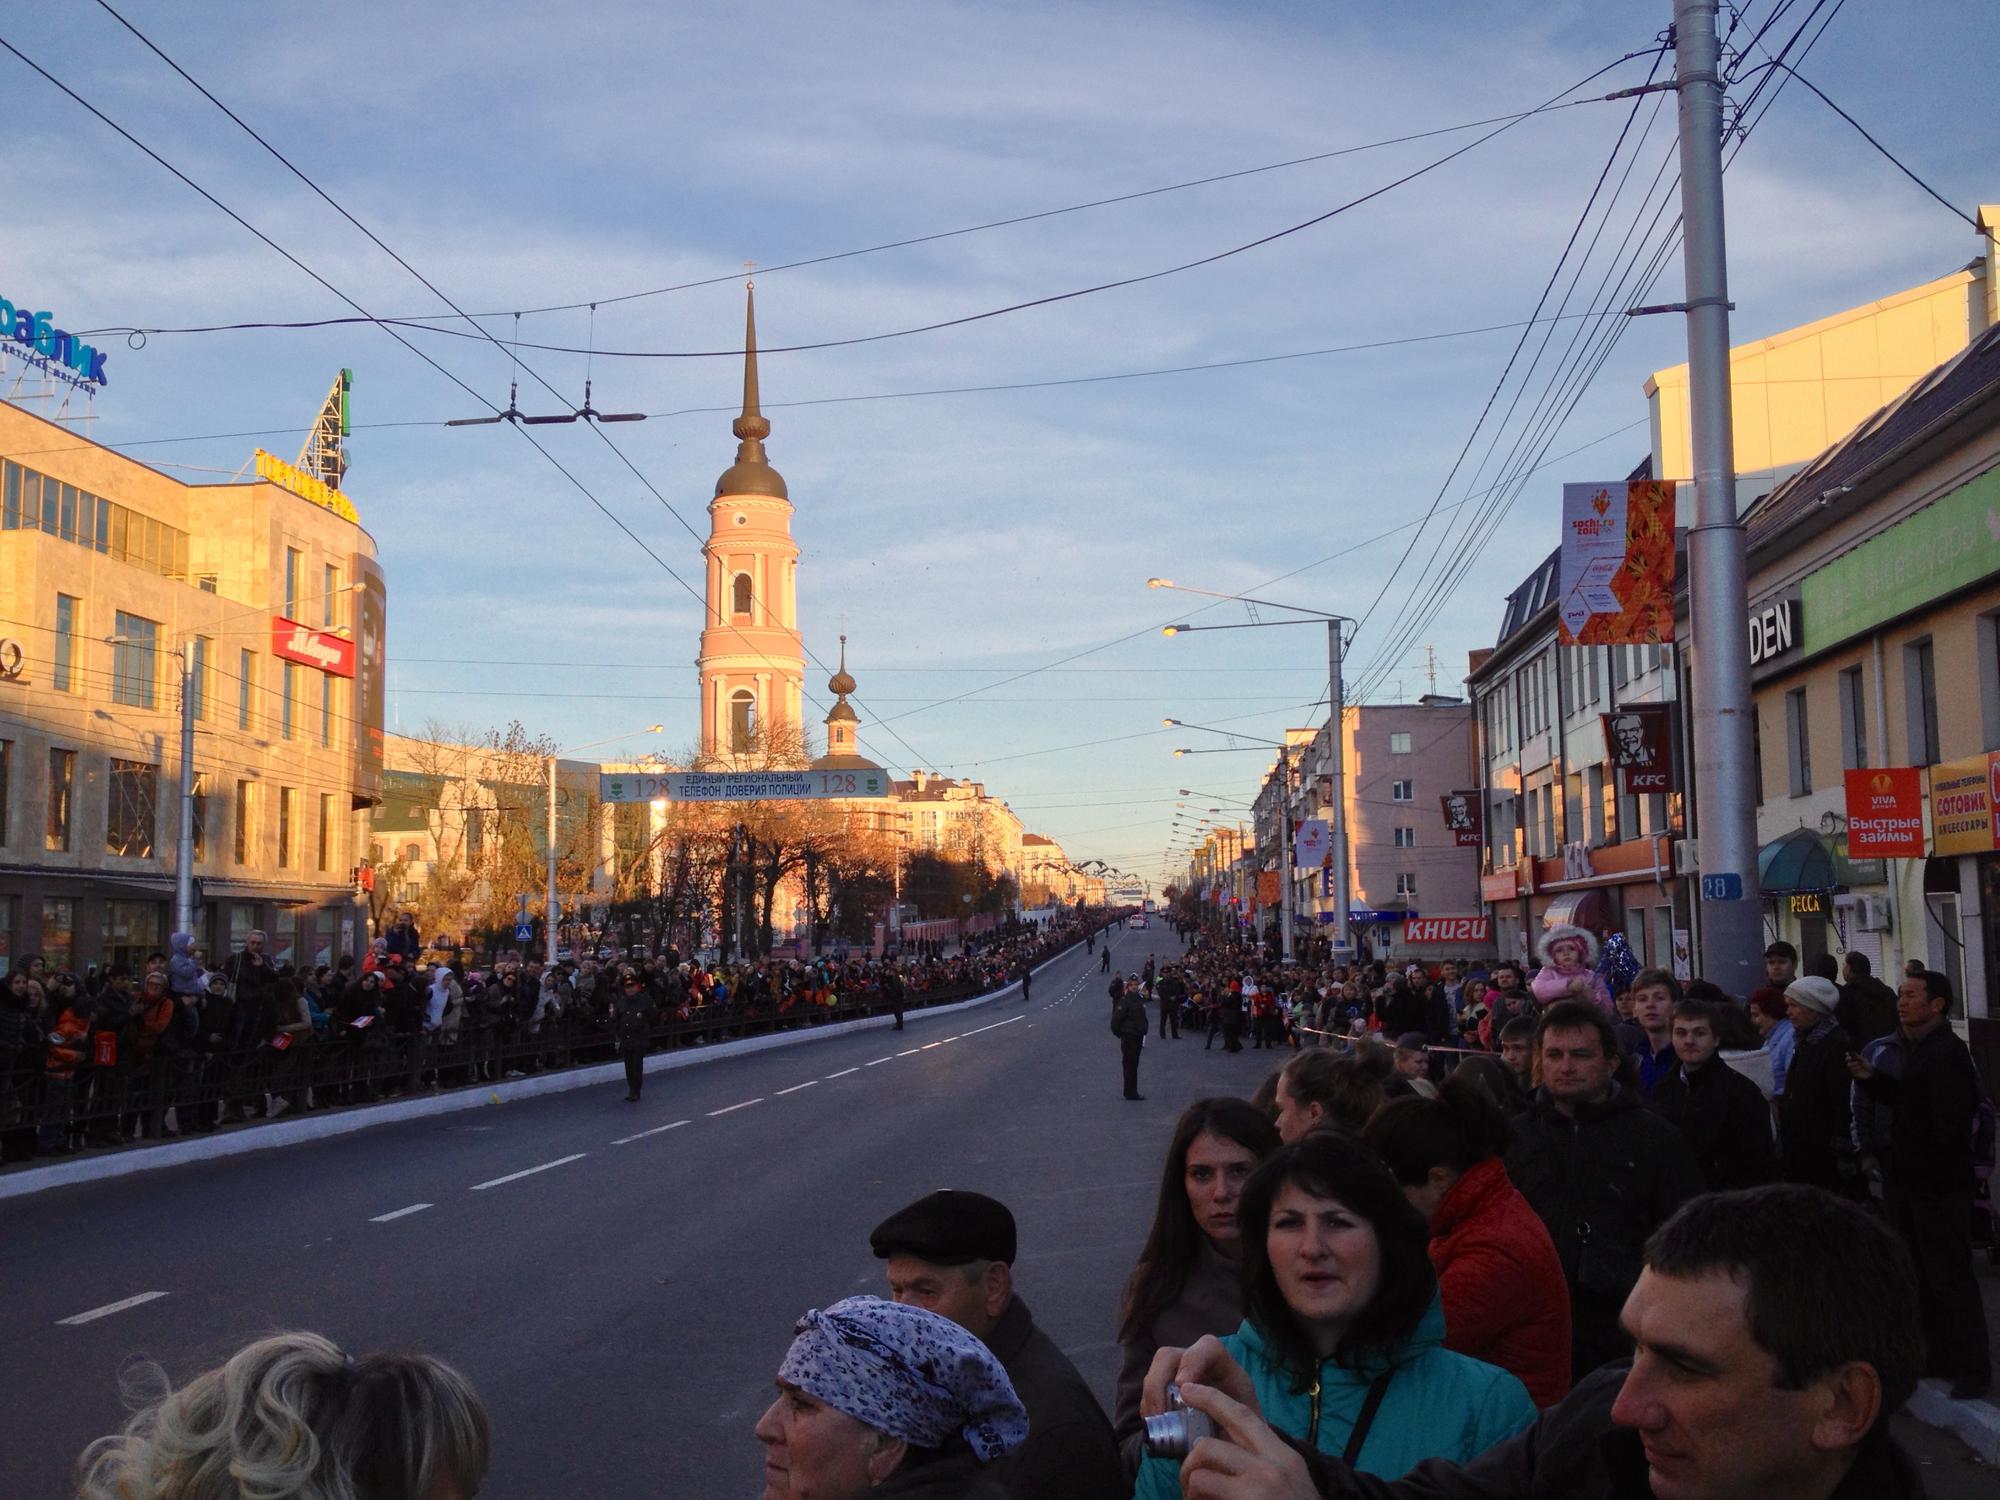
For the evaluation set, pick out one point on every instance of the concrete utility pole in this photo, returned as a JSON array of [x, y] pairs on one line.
[[1285, 853], [184, 845], [1336, 720], [1718, 589]]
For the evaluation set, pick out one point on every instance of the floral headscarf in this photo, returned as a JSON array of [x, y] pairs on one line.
[[906, 1372]]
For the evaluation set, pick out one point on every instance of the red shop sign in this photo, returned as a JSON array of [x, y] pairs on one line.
[[1447, 930], [330, 653], [1885, 813]]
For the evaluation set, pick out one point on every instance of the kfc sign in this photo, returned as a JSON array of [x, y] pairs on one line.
[[1448, 930], [330, 653], [1461, 817], [1885, 813], [1640, 740]]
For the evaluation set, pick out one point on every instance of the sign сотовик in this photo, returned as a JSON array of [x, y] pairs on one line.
[[739, 786], [1962, 803]]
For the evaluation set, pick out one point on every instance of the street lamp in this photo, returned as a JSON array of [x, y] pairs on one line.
[[1284, 818], [549, 915], [1336, 726]]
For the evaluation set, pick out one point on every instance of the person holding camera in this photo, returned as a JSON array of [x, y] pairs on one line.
[[1342, 1341]]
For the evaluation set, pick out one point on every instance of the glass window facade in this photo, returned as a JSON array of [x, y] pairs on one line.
[[135, 663], [32, 501]]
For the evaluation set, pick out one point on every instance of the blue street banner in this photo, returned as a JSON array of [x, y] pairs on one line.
[[740, 786]]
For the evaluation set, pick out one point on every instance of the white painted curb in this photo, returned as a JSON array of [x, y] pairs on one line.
[[313, 1127], [1975, 1423]]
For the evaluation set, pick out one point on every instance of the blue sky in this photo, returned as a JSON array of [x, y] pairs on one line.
[[522, 155]]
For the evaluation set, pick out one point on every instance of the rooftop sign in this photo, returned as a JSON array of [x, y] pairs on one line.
[[305, 486], [52, 350]]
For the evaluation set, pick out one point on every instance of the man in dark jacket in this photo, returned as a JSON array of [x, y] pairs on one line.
[[1601, 1169], [1722, 1113], [1128, 1024], [952, 1253], [892, 994], [1815, 1117], [632, 1016], [1741, 1386], [1927, 1176], [1867, 1005]]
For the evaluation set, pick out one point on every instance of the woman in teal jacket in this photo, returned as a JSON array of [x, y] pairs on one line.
[[1344, 1337]]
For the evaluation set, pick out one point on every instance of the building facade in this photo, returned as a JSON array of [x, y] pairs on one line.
[[118, 582]]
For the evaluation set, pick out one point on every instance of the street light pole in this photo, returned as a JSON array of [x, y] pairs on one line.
[[1336, 699], [1285, 853], [184, 844], [1718, 589]]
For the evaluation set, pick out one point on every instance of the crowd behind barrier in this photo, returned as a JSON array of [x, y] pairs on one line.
[[182, 1047]]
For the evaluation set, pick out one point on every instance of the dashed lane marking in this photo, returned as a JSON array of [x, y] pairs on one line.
[[912, 1052], [928, 1045], [560, 1161], [732, 1108], [795, 1088], [998, 1024], [626, 1140], [399, 1213], [108, 1309], [878, 1062], [844, 1072]]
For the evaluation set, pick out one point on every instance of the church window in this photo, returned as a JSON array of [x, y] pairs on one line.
[[742, 719], [740, 594]]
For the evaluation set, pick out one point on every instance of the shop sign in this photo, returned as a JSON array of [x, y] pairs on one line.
[[749, 786], [1617, 569], [1807, 904], [1885, 813], [305, 486], [1309, 845], [1362, 916], [1501, 887], [330, 653], [1946, 546], [1774, 630], [1962, 803], [12, 657], [1461, 817], [1267, 887], [52, 350], [1640, 739], [1448, 930]]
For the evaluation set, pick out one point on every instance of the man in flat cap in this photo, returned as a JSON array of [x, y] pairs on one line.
[[952, 1253]]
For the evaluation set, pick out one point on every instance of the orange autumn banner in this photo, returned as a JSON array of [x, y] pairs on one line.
[[1616, 580]]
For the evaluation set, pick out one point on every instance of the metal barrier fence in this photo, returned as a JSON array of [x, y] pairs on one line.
[[173, 1093]]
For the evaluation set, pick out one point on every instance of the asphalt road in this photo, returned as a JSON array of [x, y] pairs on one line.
[[620, 1282], [622, 1312]]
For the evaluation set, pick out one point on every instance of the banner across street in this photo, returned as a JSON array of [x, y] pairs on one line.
[[740, 786]]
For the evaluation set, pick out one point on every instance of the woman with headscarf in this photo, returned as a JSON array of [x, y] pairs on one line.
[[884, 1399]]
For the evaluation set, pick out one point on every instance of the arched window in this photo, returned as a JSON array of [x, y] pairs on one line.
[[742, 719], [740, 594], [413, 854]]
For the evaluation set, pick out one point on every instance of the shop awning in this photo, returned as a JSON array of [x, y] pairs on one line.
[[1585, 909], [1800, 861]]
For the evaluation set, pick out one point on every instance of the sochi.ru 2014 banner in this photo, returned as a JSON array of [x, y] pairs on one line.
[[1885, 813], [1309, 847], [1616, 580]]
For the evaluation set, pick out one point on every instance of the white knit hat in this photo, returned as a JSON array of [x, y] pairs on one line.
[[1814, 993]]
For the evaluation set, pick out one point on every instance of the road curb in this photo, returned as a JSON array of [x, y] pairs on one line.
[[1974, 1423], [313, 1127]]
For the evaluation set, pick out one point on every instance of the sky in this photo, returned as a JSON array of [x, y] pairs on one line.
[[522, 156]]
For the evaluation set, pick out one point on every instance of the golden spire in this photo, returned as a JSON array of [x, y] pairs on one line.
[[752, 473], [842, 682]]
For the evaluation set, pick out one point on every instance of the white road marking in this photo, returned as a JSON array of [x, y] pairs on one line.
[[399, 1213], [560, 1161], [997, 1024], [729, 1108], [913, 1051], [108, 1309], [795, 1088], [928, 1045], [878, 1062], [656, 1130], [843, 1072]]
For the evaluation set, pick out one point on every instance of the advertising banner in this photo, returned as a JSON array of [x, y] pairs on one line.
[[1962, 802], [1462, 818], [1309, 846], [1616, 579], [1641, 742], [1500, 887], [321, 649], [1885, 813], [1267, 887], [371, 674], [1448, 930], [739, 786]]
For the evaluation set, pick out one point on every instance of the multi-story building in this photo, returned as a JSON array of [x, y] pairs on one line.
[[117, 582], [954, 817]]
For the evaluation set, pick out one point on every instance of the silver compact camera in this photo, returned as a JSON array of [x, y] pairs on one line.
[[1175, 1431]]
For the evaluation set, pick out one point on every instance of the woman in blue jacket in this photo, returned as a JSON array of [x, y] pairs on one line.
[[1344, 1338]]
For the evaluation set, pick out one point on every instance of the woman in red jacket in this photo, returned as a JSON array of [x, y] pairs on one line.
[[1505, 1300]]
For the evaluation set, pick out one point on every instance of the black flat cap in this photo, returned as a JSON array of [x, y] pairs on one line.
[[948, 1228]]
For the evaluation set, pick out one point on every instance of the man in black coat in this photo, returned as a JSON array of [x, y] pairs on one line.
[[1128, 1024], [1867, 1005], [892, 994], [1722, 1113], [952, 1253], [632, 1014], [1600, 1169], [1927, 1176], [1742, 1384]]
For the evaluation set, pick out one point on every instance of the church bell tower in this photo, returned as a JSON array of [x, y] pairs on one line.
[[752, 663]]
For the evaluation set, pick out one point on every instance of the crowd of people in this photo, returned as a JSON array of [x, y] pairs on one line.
[[1583, 1252], [184, 1045]]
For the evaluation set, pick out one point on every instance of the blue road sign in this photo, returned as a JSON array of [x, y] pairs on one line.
[[1724, 887], [523, 933]]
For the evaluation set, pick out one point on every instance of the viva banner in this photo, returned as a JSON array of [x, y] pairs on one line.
[[1885, 813], [1617, 573]]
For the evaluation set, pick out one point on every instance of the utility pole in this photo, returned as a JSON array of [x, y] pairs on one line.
[[184, 845], [1285, 853], [1718, 589], [549, 936], [1336, 720]]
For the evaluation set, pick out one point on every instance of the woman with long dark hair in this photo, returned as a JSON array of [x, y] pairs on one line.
[[1343, 1334], [1186, 1283], [1501, 1282]]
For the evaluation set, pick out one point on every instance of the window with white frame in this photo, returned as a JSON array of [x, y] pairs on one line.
[[1402, 791], [1399, 743], [1406, 838]]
